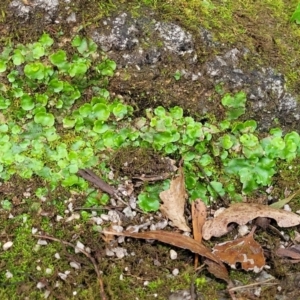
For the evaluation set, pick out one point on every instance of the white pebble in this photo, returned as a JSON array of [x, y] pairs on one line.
[[7, 245], [74, 216], [121, 239], [162, 224], [40, 285], [38, 268], [97, 220], [243, 230], [287, 207], [34, 230], [56, 255], [279, 288], [43, 198], [104, 217], [117, 228], [108, 252], [26, 194], [114, 217], [75, 265], [153, 227], [8, 274], [70, 206], [175, 272], [62, 276], [48, 271], [257, 291], [58, 218], [173, 254], [146, 283], [42, 242], [79, 246], [120, 252]]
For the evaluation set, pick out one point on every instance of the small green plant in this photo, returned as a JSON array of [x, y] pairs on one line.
[[296, 15], [58, 117], [177, 75]]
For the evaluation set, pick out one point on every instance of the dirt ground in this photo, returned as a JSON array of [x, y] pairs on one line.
[[146, 271]]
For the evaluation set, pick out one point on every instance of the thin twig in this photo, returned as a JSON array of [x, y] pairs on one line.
[[90, 176], [47, 237], [105, 207], [266, 282]]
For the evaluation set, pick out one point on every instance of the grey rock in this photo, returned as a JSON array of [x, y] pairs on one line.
[[180, 295], [23, 11], [175, 38]]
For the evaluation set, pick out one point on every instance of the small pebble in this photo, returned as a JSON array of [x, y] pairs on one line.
[[74, 216], [42, 242], [62, 276], [104, 217], [75, 265], [173, 254], [34, 230], [243, 230], [79, 246], [8, 274], [40, 285], [58, 218], [7, 245], [175, 272]]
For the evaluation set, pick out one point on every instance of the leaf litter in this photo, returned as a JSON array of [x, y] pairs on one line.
[[174, 200], [244, 251], [242, 213]]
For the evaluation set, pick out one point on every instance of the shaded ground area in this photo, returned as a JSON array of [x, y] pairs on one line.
[[222, 49]]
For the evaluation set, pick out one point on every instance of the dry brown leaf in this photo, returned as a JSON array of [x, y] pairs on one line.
[[174, 201], [292, 252], [171, 238], [242, 213], [218, 270], [244, 250], [198, 220]]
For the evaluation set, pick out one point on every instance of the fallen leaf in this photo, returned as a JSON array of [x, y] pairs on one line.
[[171, 238], [292, 252], [242, 213], [174, 201], [262, 222], [244, 250], [283, 202], [198, 220], [217, 269]]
